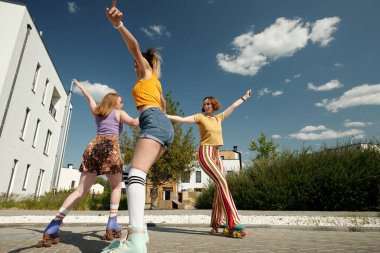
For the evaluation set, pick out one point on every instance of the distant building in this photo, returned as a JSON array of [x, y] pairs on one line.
[[172, 195], [35, 108], [199, 179], [68, 178]]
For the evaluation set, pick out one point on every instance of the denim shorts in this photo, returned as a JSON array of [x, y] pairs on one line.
[[156, 126]]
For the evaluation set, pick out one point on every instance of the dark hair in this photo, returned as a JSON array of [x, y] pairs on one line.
[[215, 103], [154, 59]]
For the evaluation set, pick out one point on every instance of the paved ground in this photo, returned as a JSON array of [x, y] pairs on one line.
[[197, 239]]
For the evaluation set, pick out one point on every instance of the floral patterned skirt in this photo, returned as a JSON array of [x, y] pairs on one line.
[[102, 156]]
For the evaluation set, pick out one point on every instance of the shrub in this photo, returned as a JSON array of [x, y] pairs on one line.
[[343, 178]]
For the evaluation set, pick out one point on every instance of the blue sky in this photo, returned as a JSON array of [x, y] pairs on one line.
[[313, 65]]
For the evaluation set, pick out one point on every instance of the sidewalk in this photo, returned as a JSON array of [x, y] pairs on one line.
[[188, 231]]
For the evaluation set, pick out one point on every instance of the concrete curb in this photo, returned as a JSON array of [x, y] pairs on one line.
[[164, 225]]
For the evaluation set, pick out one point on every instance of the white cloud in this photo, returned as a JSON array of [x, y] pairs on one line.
[[333, 84], [72, 7], [338, 65], [156, 31], [287, 80], [307, 129], [96, 90], [281, 39], [297, 75], [327, 134], [323, 29], [276, 136], [349, 123], [364, 94], [277, 93], [264, 91]]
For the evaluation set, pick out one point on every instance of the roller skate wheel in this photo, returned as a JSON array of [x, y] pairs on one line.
[[214, 231], [226, 231], [118, 234], [56, 240]]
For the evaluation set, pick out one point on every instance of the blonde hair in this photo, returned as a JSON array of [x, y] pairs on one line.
[[154, 59], [107, 104]]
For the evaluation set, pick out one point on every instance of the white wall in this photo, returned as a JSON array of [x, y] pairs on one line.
[[14, 19], [229, 165], [67, 176]]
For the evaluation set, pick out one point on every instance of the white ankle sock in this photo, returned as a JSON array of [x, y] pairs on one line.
[[61, 213], [136, 197]]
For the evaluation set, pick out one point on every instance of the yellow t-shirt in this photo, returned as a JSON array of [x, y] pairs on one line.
[[147, 92], [210, 129]]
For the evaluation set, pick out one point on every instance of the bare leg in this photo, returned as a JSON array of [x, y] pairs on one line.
[[86, 181]]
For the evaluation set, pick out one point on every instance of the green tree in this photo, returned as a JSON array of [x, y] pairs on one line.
[[175, 163], [264, 148]]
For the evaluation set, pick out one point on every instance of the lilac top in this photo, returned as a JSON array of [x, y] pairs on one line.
[[109, 124]]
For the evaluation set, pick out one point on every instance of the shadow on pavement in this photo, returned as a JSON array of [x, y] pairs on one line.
[[178, 230], [88, 241]]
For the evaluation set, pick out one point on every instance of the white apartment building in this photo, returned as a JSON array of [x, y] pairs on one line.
[[35, 108], [199, 179]]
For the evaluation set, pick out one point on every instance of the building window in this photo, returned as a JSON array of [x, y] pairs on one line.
[[40, 179], [26, 177], [166, 193], [38, 68], [47, 142], [72, 184], [222, 157], [186, 179], [23, 130], [11, 181], [54, 103], [198, 177], [45, 91], [36, 133]]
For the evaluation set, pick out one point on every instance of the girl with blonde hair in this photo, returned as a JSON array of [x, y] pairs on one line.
[[101, 157]]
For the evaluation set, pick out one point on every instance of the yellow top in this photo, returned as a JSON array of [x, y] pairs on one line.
[[210, 129], [147, 92]]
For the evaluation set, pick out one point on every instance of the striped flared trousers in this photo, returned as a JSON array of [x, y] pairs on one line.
[[223, 206]]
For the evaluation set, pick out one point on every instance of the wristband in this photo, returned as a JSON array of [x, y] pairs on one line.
[[119, 26], [243, 99]]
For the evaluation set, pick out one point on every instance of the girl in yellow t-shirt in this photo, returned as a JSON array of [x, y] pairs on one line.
[[210, 130]]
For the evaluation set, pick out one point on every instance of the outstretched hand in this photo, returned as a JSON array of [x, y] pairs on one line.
[[114, 15], [249, 93], [75, 81]]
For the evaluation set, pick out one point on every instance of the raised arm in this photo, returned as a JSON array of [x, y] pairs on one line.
[[188, 119], [237, 103], [114, 16], [87, 95]]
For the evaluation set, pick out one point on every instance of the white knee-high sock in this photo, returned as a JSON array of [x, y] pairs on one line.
[[136, 197]]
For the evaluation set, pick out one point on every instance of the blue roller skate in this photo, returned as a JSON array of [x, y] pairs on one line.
[[51, 234], [112, 230]]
